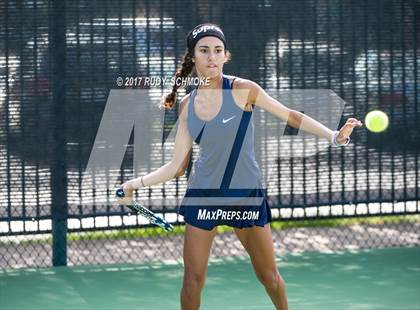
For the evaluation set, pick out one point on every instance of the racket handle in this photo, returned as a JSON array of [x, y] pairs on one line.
[[120, 193]]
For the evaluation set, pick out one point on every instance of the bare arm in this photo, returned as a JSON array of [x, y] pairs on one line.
[[296, 119], [177, 166]]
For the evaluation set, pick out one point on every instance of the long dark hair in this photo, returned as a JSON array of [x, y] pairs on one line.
[[183, 71]]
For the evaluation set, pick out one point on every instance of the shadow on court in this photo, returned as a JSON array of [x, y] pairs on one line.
[[374, 279]]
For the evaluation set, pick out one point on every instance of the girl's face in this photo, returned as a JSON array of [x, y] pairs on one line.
[[209, 57]]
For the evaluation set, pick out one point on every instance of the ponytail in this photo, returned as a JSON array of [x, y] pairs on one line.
[[183, 71]]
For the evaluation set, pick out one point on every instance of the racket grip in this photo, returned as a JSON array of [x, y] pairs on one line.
[[120, 193]]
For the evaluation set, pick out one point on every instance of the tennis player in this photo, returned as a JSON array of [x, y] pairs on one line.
[[211, 116]]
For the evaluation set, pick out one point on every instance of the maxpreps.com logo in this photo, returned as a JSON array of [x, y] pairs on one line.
[[205, 28]]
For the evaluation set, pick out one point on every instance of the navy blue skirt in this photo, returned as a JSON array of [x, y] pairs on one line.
[[208, 216]]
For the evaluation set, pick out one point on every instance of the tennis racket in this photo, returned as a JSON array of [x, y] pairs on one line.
[[139, 209]]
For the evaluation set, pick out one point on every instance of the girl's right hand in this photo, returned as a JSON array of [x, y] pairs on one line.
[[128, 194]]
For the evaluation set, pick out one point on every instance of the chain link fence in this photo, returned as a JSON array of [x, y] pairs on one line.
[[60, 59]]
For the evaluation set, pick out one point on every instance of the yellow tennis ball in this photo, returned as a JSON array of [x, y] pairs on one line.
[[376, 121]]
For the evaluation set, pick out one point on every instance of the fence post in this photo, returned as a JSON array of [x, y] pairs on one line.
[[57, 52]]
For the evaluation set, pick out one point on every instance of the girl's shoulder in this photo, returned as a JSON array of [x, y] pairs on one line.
[[245, 91], [183, 106], [242, 83]]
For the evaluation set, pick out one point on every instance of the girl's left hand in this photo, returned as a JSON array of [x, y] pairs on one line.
[[347, 129]]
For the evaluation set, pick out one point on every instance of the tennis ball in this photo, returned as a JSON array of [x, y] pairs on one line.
[[376, 121]]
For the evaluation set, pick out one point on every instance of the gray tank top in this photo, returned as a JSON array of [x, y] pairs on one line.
[[226, 157]]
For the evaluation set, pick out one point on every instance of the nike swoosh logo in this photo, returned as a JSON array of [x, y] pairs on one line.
[[227, 120]]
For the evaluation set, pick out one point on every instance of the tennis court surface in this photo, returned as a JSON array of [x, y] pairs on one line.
[[365, 279]]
